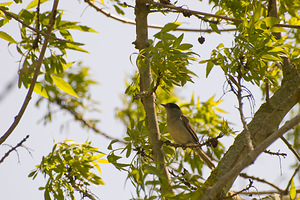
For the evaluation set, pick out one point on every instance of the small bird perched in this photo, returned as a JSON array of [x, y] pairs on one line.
[[182, 132]]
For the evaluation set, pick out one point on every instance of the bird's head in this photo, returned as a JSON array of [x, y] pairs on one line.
[[172, 110], [170, 106]]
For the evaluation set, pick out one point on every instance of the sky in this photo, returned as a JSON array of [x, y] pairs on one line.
[[109, 59]]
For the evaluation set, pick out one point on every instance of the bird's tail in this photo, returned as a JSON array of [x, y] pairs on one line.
[[205, 158]]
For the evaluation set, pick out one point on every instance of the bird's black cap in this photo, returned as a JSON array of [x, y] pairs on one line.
[[171, 105]]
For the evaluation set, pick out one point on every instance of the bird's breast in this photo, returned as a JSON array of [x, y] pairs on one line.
[[179, 132]]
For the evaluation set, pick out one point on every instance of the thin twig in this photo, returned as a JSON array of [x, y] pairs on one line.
[[290, 147], [275, 153], [265, 192], [37, 39], [34, 78], [194, 12], [8, 14], [241, 191], [86, 122], [238, 94], [132, 22], [208, 142], [183, 180], [244, 175], [291, 179], [78, 187], [14, 148], [243, 119]]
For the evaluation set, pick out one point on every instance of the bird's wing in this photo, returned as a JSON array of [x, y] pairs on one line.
[[188, 126]]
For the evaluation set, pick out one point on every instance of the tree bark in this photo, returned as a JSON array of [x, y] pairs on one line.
[[266, 120], [141, 12]]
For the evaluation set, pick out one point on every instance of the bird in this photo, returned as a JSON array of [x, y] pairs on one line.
[[182, 132]]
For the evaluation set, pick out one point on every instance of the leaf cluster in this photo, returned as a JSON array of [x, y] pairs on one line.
[[79, 79], [255, 54], [185, 164], [68, 168], [169, 57], [29, 45]]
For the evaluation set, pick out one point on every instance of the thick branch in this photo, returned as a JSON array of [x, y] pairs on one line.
[[34, 78], [265, 121], [212, 191], [141, 12]]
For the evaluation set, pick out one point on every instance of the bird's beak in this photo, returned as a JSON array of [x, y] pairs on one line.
[[164, 105]]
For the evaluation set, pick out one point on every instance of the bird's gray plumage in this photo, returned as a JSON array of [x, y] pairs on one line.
[[182, 132]]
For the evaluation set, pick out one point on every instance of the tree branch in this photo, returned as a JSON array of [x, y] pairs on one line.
[[14, 148], [261, 180], [129, 21], [78, 187], [214, 190], [86, 122], [194, 12], [34, 78], [290, 147], [243, 119], [291, 179], [141, 12], [265, 121], [8, 14]]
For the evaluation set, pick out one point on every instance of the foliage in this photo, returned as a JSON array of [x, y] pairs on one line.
[[185, 165], [254, 54], [254, 57], [29, 47], [68, 168], [79, 78], [169, 57]]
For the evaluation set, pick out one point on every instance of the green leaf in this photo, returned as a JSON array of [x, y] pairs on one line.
[[32, 173], [34, 4], [170, 26], [7, 37], [178, 41], [64, 86], [128, 150], [6, 4], [63, 25], [119, 10], [85, 29], [292, 190], [268, 57], [209, 67], [276, 29], [104, 161], [38, 88], [257, 13], [76, 47], [271, 21], [97, 167], [184, 47], [111, 143], [214, 27], [67, 65]]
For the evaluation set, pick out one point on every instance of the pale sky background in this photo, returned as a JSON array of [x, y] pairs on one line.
[[110, 65]]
